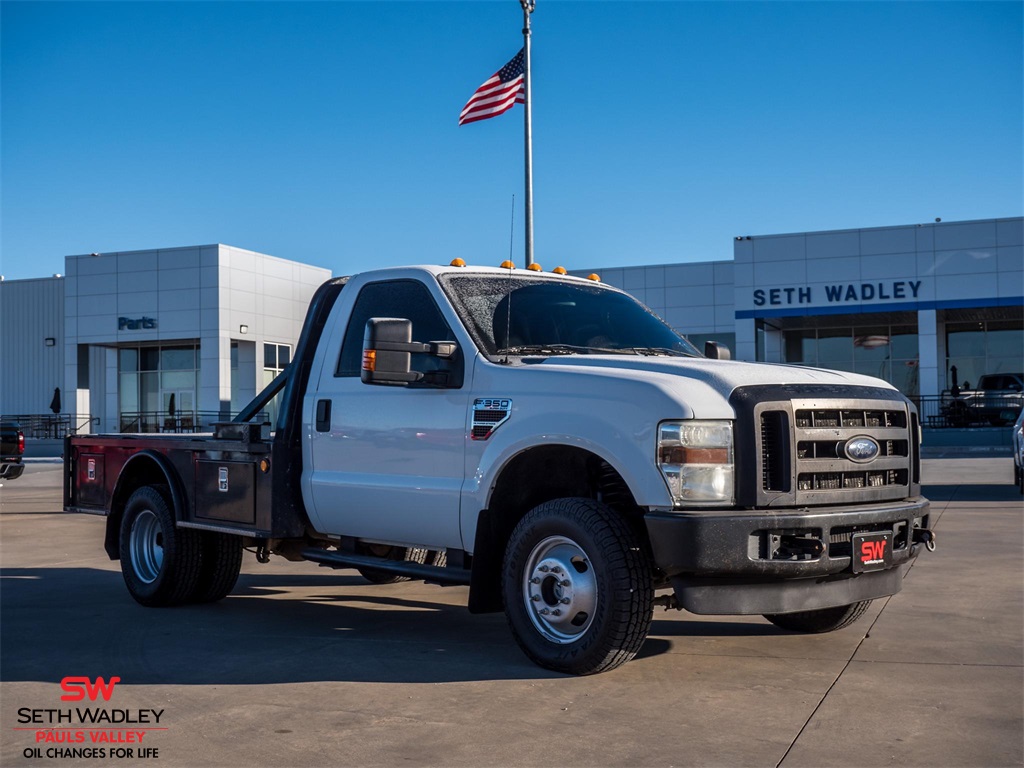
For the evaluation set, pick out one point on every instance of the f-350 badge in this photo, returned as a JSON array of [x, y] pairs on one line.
[[489, 413]]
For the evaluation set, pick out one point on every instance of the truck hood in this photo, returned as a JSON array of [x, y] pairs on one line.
[[720, 376]]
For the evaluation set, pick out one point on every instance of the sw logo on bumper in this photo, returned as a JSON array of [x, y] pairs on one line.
[[872, 552]]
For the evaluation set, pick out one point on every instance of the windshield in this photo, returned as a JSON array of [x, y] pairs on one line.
[[523, 316]]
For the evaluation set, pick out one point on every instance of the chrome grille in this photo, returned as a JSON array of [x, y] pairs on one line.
[[836, 417], [810, 463]]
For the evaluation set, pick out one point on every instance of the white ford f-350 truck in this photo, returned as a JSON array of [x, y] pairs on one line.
[[544, 439]]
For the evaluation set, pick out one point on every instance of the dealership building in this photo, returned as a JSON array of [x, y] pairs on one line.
[[169, 339], [176, 338], [904, 303]]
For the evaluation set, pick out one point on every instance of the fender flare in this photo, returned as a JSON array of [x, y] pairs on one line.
[[124, 486], [555, 441], [494, 527]]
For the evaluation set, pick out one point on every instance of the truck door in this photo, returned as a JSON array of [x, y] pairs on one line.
[[388, 461]]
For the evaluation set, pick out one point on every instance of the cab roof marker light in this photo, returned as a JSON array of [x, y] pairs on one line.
[[506, 264], [560, 271], [594, 276], [535, 267], [457, 263]]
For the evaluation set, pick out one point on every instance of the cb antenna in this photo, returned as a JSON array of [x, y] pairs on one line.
[[508, 296], [512, 228]]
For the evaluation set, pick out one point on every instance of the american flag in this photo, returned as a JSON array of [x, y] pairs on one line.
[[498, 94]]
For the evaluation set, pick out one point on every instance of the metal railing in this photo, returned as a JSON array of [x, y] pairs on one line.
[[181, 422], [49, 426], [969, 409]]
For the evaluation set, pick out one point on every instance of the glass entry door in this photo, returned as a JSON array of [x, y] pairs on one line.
[[178, 409]]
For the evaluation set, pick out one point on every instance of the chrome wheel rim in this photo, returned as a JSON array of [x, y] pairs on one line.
[[560, 590], [146, 546]]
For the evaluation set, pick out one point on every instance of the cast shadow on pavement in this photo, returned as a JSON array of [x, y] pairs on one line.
[[1007, 493], [274, 629]]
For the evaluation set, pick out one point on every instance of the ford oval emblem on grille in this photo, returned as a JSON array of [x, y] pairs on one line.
[[861, 449]]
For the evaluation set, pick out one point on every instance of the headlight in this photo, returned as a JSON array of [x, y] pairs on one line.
[[696, 460]]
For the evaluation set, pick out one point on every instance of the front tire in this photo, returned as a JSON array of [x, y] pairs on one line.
[[160, 562], [577, 587], [824, 620]]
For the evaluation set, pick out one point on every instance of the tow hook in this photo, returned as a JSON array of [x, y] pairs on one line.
[[262, 554], [926, 537]]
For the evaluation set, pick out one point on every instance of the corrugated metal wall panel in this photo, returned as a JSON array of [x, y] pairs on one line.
[[31, 311]]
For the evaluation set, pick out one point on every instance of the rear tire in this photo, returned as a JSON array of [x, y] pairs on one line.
[[577, 587], [160, 562], [824, 620], [220, 562]]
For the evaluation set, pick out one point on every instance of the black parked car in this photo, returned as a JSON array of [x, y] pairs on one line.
[[12, 448]]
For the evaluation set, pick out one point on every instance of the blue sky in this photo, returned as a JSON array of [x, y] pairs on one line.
[[327, 132]]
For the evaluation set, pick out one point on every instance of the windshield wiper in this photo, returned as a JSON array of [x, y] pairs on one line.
[[575, 349], [660, 351], [541, 349]]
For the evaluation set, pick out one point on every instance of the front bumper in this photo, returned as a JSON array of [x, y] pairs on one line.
[[751, 562], [11, 471]]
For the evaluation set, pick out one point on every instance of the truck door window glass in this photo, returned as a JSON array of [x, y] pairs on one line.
[[397, 298], [522, 312]]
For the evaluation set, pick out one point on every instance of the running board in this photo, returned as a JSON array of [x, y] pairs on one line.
[[432, 573]]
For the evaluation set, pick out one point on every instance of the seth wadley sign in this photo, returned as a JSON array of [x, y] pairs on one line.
[[838, 293]]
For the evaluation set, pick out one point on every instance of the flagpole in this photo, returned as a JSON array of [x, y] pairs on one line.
[[528, 6]]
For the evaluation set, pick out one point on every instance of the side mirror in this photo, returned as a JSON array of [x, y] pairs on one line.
[[715, 351], [388, 350]]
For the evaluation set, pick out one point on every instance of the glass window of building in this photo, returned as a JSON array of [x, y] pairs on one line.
[[276, 358], [157, 388], [884, 350], [981, 347]]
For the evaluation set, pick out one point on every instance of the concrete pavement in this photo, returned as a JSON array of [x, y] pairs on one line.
[[306, 666]]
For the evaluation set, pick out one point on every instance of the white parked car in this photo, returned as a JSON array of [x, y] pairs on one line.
[[1018, 452]]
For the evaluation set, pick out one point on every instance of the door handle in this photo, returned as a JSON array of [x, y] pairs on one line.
[[323, 415]]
